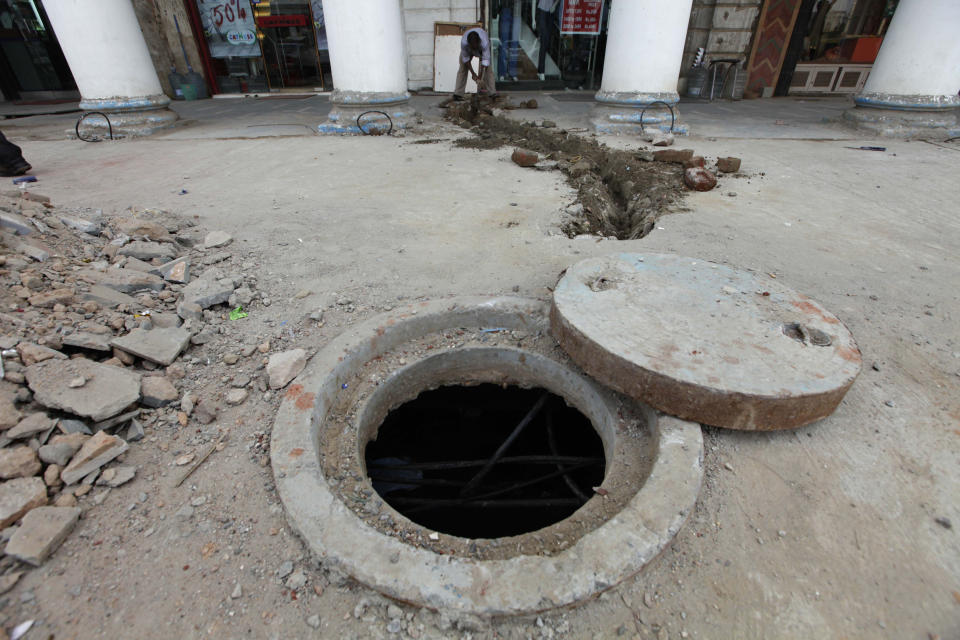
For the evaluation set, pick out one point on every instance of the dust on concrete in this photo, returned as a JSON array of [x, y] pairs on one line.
[[620, 193]]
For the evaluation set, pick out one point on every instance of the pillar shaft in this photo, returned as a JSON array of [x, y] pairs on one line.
[[912, 88], [918, 66], [108, 56], [642, 64], [369, 65]]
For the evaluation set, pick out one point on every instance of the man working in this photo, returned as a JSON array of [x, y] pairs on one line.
[[475, 44]]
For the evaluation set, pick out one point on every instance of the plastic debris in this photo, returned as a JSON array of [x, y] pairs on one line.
[[23, 179], [20, 630], [238, 313]]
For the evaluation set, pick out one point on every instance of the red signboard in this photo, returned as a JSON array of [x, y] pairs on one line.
[[292, 20], [581, 17]]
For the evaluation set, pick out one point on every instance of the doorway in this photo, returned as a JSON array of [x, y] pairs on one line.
[[548, 43], [32, 66], [258, 46]]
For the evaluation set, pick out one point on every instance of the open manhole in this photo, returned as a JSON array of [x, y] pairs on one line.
[[360, 438], [486, 461], [452, 454]]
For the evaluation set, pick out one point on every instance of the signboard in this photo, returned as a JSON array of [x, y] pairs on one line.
[[582, 17], [229, 28], [289, 20]]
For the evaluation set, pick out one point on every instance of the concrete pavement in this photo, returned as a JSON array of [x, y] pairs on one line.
[[826, 531]]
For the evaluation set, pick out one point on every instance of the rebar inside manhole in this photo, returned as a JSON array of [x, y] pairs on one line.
[[485, 461]]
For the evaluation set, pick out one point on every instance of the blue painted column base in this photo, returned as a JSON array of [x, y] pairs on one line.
[[635, 114], [377, 114], [128, 117], [899, 123], [905, 116]]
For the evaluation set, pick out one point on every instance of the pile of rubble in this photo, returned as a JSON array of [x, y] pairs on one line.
[[96, 314]]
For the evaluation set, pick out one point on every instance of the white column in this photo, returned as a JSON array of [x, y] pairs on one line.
[[108, 56], [369, 64], [912, 88], [641, 67]]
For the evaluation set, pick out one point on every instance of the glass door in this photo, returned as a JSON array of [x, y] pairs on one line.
[[230, 33], [32, 67], [540, 43], [287, 33]]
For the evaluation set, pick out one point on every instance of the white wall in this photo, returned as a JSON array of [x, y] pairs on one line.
[[418, 19]]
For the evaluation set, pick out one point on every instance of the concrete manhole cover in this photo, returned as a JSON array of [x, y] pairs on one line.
[[703, 341], [335, 487]]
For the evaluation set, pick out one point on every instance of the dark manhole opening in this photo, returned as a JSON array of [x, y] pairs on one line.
[[485, 461]]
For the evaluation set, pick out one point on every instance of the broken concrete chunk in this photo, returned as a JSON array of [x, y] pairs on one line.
[[144, 250], [163, 320], [58, 454], [74, 426], [236, 396], [678, 156], [134, 431], [18, 496], [661, 139], [33, 353], [216, 239], [161, 346], [97, 451], [107, 392], [116, 420], [136, 228], [728, 165], [33, 249], [16, 223], [158, 391], [123, 280], [41, 533], [207, 293], [137, 265], [284, 367], [190, 311], [30, 426], [116, 476], [80, 224], [177, 271], [9, 414], [91, 341], [108, 297], [18, 462]]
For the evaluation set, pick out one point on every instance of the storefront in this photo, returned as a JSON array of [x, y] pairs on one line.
[[32, 66], [549, 42], [259, 46]]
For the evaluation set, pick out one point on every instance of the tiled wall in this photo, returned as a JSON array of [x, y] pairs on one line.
[[723, 27]]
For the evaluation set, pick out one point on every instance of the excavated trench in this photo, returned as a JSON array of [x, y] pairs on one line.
[[621, 193]]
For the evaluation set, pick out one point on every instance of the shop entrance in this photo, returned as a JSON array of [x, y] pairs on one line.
[[32, 66], [269, 45], [548, 43]]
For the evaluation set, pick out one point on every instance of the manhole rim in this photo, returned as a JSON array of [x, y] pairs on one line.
[[515, 586], [604, 409]]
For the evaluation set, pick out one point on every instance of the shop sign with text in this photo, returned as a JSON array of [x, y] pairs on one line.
[[582, 17]]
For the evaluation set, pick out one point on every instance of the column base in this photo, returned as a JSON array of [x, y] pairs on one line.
[[128, 117], [382, 113], [901, 123], [637, 113]]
